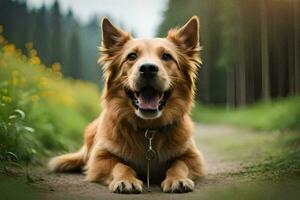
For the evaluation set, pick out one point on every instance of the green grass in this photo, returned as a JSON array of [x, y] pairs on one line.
[[17, 189], [40, 111], [258, 190], [260, 152], [281, 114]]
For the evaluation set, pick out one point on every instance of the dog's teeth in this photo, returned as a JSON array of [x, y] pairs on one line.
[[161, 95], [136, 94]]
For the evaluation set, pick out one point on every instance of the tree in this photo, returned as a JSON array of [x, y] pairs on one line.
[[251, 49], [75, 54], [41, 35], [91, 40], [265, 52], [56, 34], [296, 12]]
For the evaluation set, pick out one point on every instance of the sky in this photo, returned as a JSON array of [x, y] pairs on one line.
[[140, 16]]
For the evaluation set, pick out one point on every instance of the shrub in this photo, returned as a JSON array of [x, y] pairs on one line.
[[40, 111]]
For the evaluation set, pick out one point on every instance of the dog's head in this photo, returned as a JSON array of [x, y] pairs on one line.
[[153, 78]]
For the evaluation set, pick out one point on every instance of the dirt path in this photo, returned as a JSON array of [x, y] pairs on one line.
[[226, 150], [73, 186]]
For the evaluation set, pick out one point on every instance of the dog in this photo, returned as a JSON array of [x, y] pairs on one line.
[[149, 89]]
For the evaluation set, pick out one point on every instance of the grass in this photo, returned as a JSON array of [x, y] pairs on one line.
[[17, 189], [258, 190], [261, 153], [281, 114], [40, 110], [274, 150], [269, 165]]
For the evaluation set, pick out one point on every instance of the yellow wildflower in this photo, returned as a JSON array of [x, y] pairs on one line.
[[19, 53], [43, 82], [33, 53], [14, 77], [1, 39], [68, 100], [15, 81], [58, 75], [35, 60], [56, 67], [29, 45], [9, 48]]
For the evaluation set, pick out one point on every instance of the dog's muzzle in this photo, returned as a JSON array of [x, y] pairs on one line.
[[148, 98], [148, 102]]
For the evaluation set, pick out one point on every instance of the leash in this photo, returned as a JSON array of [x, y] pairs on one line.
[[150, 153]]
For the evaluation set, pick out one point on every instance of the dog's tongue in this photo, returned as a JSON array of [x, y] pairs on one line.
[[149, 99]]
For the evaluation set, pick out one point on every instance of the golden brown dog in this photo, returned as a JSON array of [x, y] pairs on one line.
[[149, 86]]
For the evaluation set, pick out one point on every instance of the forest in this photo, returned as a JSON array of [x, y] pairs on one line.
[[57, 37], [246, 114], [250, 48]]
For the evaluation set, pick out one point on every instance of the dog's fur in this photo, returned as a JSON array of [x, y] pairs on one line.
[[114, 144]]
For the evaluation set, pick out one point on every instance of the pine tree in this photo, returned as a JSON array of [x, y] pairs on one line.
[[56, 34], [75, 54], [41, 35]]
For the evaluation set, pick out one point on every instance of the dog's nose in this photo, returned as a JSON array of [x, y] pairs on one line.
[[148, 70]]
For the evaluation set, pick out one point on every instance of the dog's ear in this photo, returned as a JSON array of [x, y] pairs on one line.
[[111, 35], [187, 35]]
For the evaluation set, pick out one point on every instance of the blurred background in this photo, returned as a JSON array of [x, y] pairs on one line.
[[50, 82], [250, 48], [68, 32]]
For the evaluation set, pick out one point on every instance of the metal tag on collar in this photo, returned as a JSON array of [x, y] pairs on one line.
[[150, 153], [149, 134]]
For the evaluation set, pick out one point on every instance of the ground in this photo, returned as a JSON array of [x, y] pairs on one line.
[[236, 161]]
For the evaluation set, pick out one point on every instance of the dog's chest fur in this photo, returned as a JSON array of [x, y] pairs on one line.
[[133, 153]]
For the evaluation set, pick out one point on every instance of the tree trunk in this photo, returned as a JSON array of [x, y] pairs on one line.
[[230, 88], [297, 45], [265, 53], [241, 70], [291, 33]]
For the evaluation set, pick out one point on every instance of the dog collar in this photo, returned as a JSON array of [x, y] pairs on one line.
[[158, 129]]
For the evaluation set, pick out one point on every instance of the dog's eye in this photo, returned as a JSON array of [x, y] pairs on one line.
[[166, 57], [132, 56]]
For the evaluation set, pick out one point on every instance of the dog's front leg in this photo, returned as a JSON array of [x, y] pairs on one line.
[[107, 168], [179, 176]]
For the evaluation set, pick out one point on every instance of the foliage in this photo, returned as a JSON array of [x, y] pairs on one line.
[[58, 37], [267, 116], [40, 111], [250, 48]]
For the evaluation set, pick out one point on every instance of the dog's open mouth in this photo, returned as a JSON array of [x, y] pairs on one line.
[[148, 99]]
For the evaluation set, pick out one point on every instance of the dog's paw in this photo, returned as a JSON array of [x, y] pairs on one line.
[[126, 186], [177, 185]]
